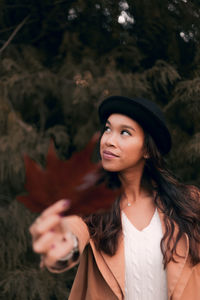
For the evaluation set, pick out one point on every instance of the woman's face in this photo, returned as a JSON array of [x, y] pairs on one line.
[[122, 144]]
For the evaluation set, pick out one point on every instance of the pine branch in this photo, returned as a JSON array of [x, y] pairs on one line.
[[14, 34], [12, 27]]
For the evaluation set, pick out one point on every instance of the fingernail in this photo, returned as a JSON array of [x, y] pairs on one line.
[[66, 203]]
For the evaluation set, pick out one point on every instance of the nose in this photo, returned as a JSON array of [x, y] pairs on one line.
[[111, 140]]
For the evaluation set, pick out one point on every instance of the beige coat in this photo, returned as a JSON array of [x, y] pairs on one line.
[[101, 277]]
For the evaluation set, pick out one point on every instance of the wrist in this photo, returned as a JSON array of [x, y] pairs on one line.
[[74, 253]]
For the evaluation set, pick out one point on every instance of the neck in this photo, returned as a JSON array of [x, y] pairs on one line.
[[135, 187]]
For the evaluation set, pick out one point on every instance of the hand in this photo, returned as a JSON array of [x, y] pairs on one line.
[[50, 236]]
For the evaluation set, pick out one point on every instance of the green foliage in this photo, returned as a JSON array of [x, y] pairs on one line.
[[162, 77], [31, 283], [66, 58], [187, 92]]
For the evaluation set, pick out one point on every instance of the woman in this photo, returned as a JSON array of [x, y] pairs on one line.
[[147, 246]]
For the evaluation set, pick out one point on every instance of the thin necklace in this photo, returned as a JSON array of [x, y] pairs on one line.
[[129, 203]]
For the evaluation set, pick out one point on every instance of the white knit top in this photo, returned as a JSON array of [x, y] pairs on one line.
[[145, 278]]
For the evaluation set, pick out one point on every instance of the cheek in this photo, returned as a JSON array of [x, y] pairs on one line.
[[133, 148], [101, 144]]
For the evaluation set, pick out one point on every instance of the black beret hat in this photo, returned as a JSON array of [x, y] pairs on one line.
[[143, 111]]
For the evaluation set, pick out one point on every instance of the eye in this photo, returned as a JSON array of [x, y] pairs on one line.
[[107, 129], [125, 132]]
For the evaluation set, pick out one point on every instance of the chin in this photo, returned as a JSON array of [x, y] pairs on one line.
[[110, 168]]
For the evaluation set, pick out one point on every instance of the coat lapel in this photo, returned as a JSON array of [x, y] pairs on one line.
[[175, 269], [116, 264]]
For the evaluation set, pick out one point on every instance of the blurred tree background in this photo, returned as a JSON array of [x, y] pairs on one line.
[[58, 60]]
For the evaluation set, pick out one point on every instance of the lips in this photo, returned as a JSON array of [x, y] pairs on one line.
[[109, 155]]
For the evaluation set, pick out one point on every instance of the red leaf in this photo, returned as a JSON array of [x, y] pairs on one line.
[[73, 179]]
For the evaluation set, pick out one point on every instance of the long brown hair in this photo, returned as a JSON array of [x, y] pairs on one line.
[[180, 204]]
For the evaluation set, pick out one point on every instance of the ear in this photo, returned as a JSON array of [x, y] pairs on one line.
[[146, 156]]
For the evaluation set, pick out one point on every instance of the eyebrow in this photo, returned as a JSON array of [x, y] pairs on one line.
[[123, 126]]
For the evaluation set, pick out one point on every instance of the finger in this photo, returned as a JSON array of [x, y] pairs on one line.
[[57, 252], [45, 242], [44, 225], [49, 241], [57, 208]]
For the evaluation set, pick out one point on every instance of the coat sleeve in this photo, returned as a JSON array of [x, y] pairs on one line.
[[76, 226]]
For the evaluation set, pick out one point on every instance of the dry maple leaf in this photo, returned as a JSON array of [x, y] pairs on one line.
[[74, 179]]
